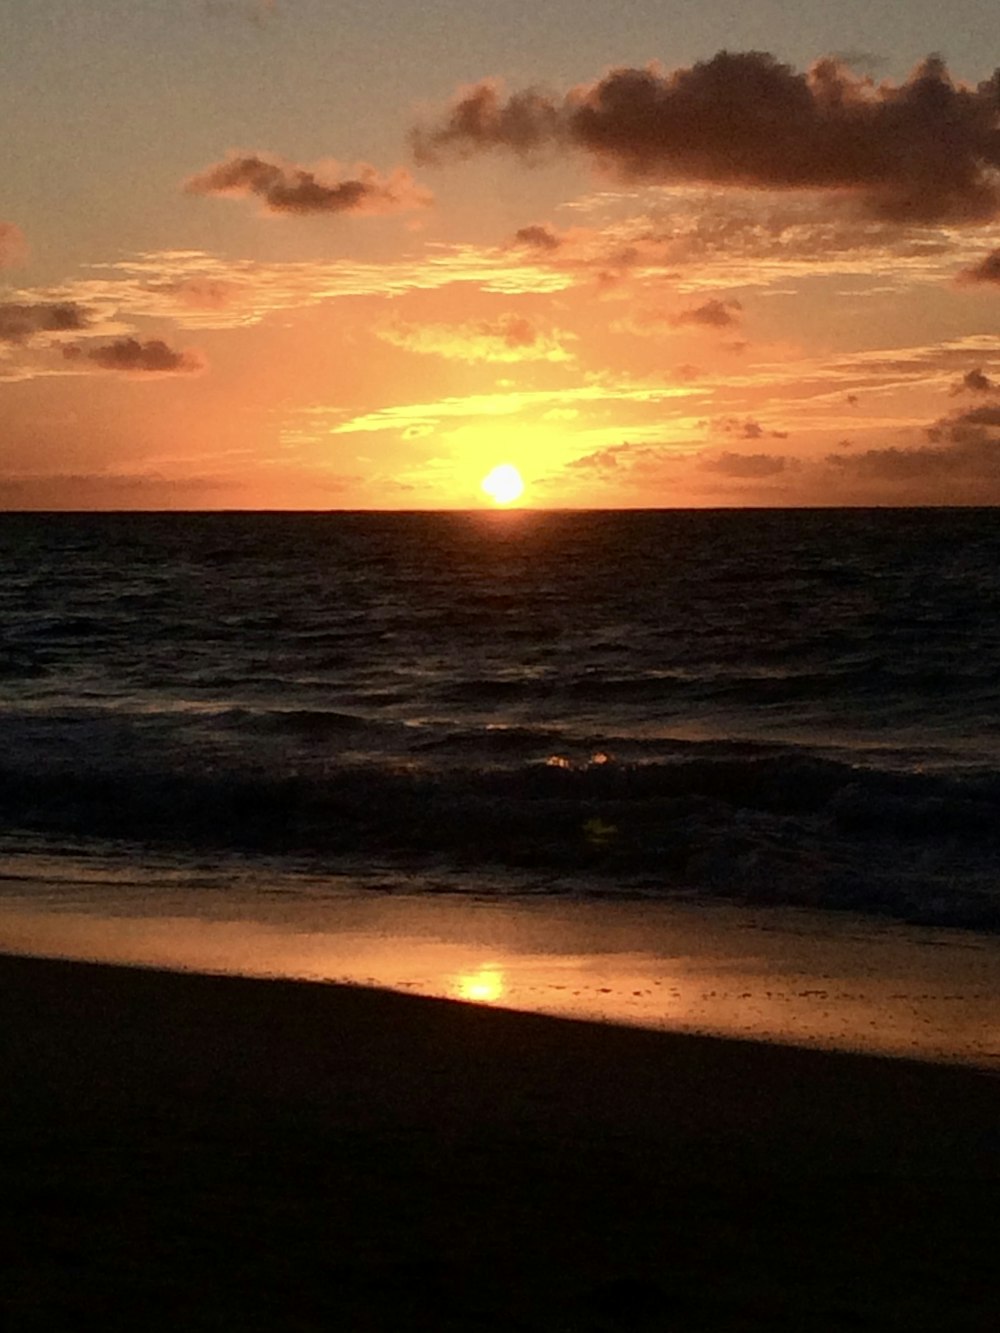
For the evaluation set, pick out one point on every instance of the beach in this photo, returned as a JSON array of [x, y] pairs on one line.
[[214, 1152]]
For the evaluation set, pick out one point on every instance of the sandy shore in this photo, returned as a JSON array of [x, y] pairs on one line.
[[190, 1152]]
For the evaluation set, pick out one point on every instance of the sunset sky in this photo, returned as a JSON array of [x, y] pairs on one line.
[[312, 255]]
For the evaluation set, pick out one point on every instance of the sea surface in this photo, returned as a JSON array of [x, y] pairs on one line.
[[767, 707]]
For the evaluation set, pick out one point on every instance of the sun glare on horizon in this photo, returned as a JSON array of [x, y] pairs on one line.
[[503, 484]]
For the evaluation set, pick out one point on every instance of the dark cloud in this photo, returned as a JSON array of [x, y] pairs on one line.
[[967, 427], [537, 237], [749, 429], [712, 314], [894, 464], [853, 400], [748, 466], [106, 490], [960, 465], [975, 381], [286, 188], [132, 357], [20, 322], [921, 151], [987, 270], [12, 244], [977, 459]]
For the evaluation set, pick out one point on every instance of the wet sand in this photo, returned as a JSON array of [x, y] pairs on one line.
[[196, 1152]]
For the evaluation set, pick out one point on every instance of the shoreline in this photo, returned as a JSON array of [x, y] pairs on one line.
[[205, 1151], [782, 975]]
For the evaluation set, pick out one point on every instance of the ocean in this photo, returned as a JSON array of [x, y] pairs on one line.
[[760, 708]]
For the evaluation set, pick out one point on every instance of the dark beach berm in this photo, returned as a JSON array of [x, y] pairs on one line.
[[183, 1151]]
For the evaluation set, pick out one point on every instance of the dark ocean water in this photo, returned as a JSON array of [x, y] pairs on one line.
[[775, 706]]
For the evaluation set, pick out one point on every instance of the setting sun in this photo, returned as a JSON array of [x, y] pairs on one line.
[[504, 484]]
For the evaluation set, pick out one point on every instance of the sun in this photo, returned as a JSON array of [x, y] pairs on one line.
[[503, 484]]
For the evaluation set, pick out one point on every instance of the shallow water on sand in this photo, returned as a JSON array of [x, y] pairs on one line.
[[771, 974]]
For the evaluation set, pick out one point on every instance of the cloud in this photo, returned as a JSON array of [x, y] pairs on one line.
[[537, 237], [714, 314], [960, 465], [750, 466], [504, 403], [987, 270], [921, 151], [132, 357], [645, 321], [975, 381], [286, 188], [749, 429], [507, 339], [969, 427], [13, 247], [634, 463], [21, 321], [105, 490]]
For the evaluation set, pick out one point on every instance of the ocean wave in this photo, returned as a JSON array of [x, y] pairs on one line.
[[761, 828]]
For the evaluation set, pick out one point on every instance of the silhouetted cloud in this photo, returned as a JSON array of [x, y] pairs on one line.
[[975, 425], [714, 314], [284, 187], [987, 270], [924, 150], [745, 465], [537, 237], [20, 321], [749, 429], [975, 381], [137, 358], [13, 246]]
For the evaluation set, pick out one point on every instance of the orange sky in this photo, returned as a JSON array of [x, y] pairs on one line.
[[721, 280]]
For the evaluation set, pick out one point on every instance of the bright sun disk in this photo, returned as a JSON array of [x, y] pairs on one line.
[[504, 484]]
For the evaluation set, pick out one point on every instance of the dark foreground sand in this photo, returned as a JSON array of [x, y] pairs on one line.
[[195, 1153]]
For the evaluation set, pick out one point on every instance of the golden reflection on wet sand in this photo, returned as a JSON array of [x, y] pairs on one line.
[[775, 975]]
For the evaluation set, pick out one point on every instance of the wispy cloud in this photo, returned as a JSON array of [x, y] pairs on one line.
[[401, 416], [509, 338]]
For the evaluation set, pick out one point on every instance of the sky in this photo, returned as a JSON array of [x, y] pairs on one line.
[[315, 255]]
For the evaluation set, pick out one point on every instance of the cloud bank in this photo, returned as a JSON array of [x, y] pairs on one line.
[[925, 150], [284, 187]]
